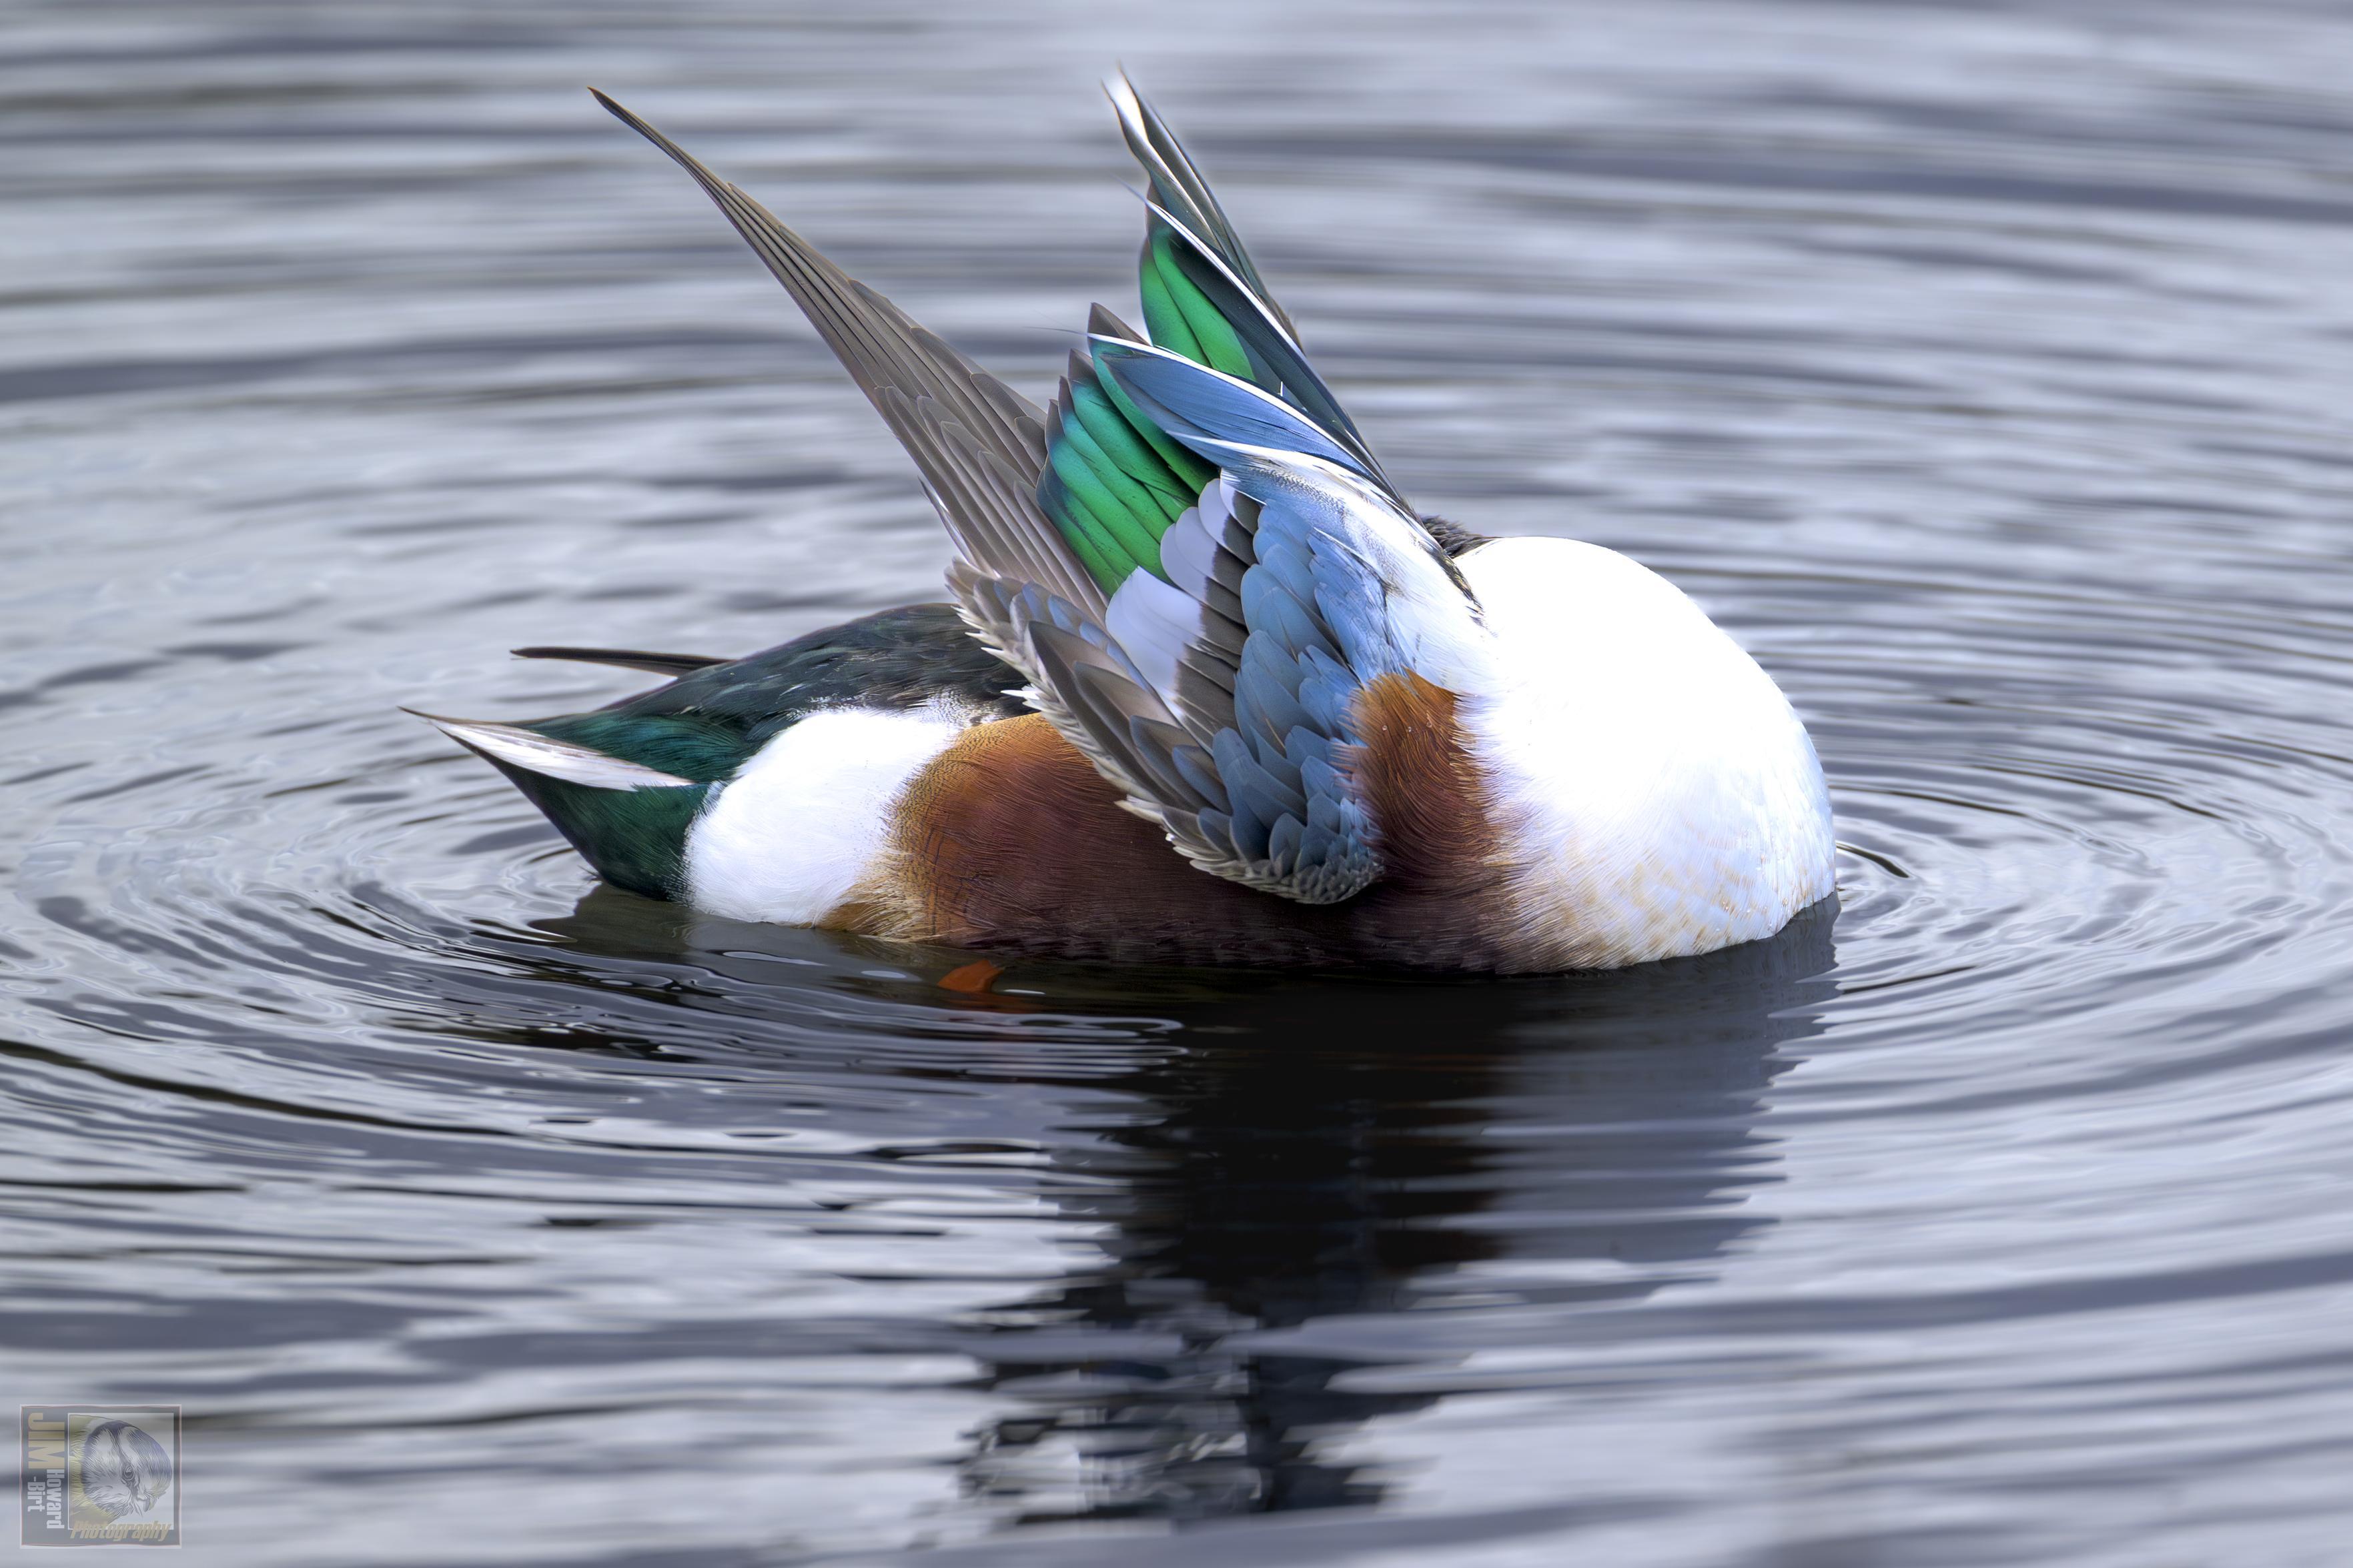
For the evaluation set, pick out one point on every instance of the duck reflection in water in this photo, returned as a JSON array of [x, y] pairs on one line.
[[1314, 1186], [1330, 1149]]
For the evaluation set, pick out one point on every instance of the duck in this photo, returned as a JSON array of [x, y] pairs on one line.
[[1206, 688]]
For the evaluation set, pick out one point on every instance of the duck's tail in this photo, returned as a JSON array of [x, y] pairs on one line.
[[627, 819]]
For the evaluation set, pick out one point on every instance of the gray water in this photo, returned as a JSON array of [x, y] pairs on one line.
[[1988, 369]]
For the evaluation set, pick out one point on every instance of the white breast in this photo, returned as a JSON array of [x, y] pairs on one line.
[[805, 821], [1658, 795]]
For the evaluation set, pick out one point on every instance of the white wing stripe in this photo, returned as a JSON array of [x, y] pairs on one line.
[[1154, 624]]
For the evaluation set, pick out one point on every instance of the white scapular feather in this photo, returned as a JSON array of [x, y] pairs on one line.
[[556, 759], [1187, 554], [1154, 624], [1188, 550], [803, 822]]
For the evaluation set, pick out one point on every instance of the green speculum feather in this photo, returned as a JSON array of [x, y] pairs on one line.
[[1141, 507], [1192, 472], [1122, 445], [1105, 561], [1114, 482], [1218, 344], [1093, 492], [1162, 318]]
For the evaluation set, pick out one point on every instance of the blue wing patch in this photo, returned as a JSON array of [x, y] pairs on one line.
[[1219, 692]]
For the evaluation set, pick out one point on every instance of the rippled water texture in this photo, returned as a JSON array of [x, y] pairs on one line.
[[1985, 368]]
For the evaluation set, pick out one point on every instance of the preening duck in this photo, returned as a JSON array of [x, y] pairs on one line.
[[1210, 691]]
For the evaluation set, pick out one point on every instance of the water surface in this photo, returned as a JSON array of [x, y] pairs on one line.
[[1984, 368]]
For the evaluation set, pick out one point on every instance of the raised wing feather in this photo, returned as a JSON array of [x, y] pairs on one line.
[[1178, 186], [1228, 508], [978, 442], [1203, 298], [1193, 557], [1221, 690]]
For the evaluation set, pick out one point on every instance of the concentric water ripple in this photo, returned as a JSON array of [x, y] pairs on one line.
[[1985, 369]]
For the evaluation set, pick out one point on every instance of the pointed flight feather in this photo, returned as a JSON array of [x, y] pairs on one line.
[[557, 759], [1189, 400], [887, 353], [625, 659], [1180, 185], [1266, 337]]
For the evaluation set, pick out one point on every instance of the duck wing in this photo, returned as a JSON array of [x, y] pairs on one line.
[[978, 442], [1193, 557], [1229, 688], [1202, 297]]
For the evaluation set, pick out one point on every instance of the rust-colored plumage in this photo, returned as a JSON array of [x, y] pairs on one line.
[[1415, 772], [1010, 840], [1212, 691]]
